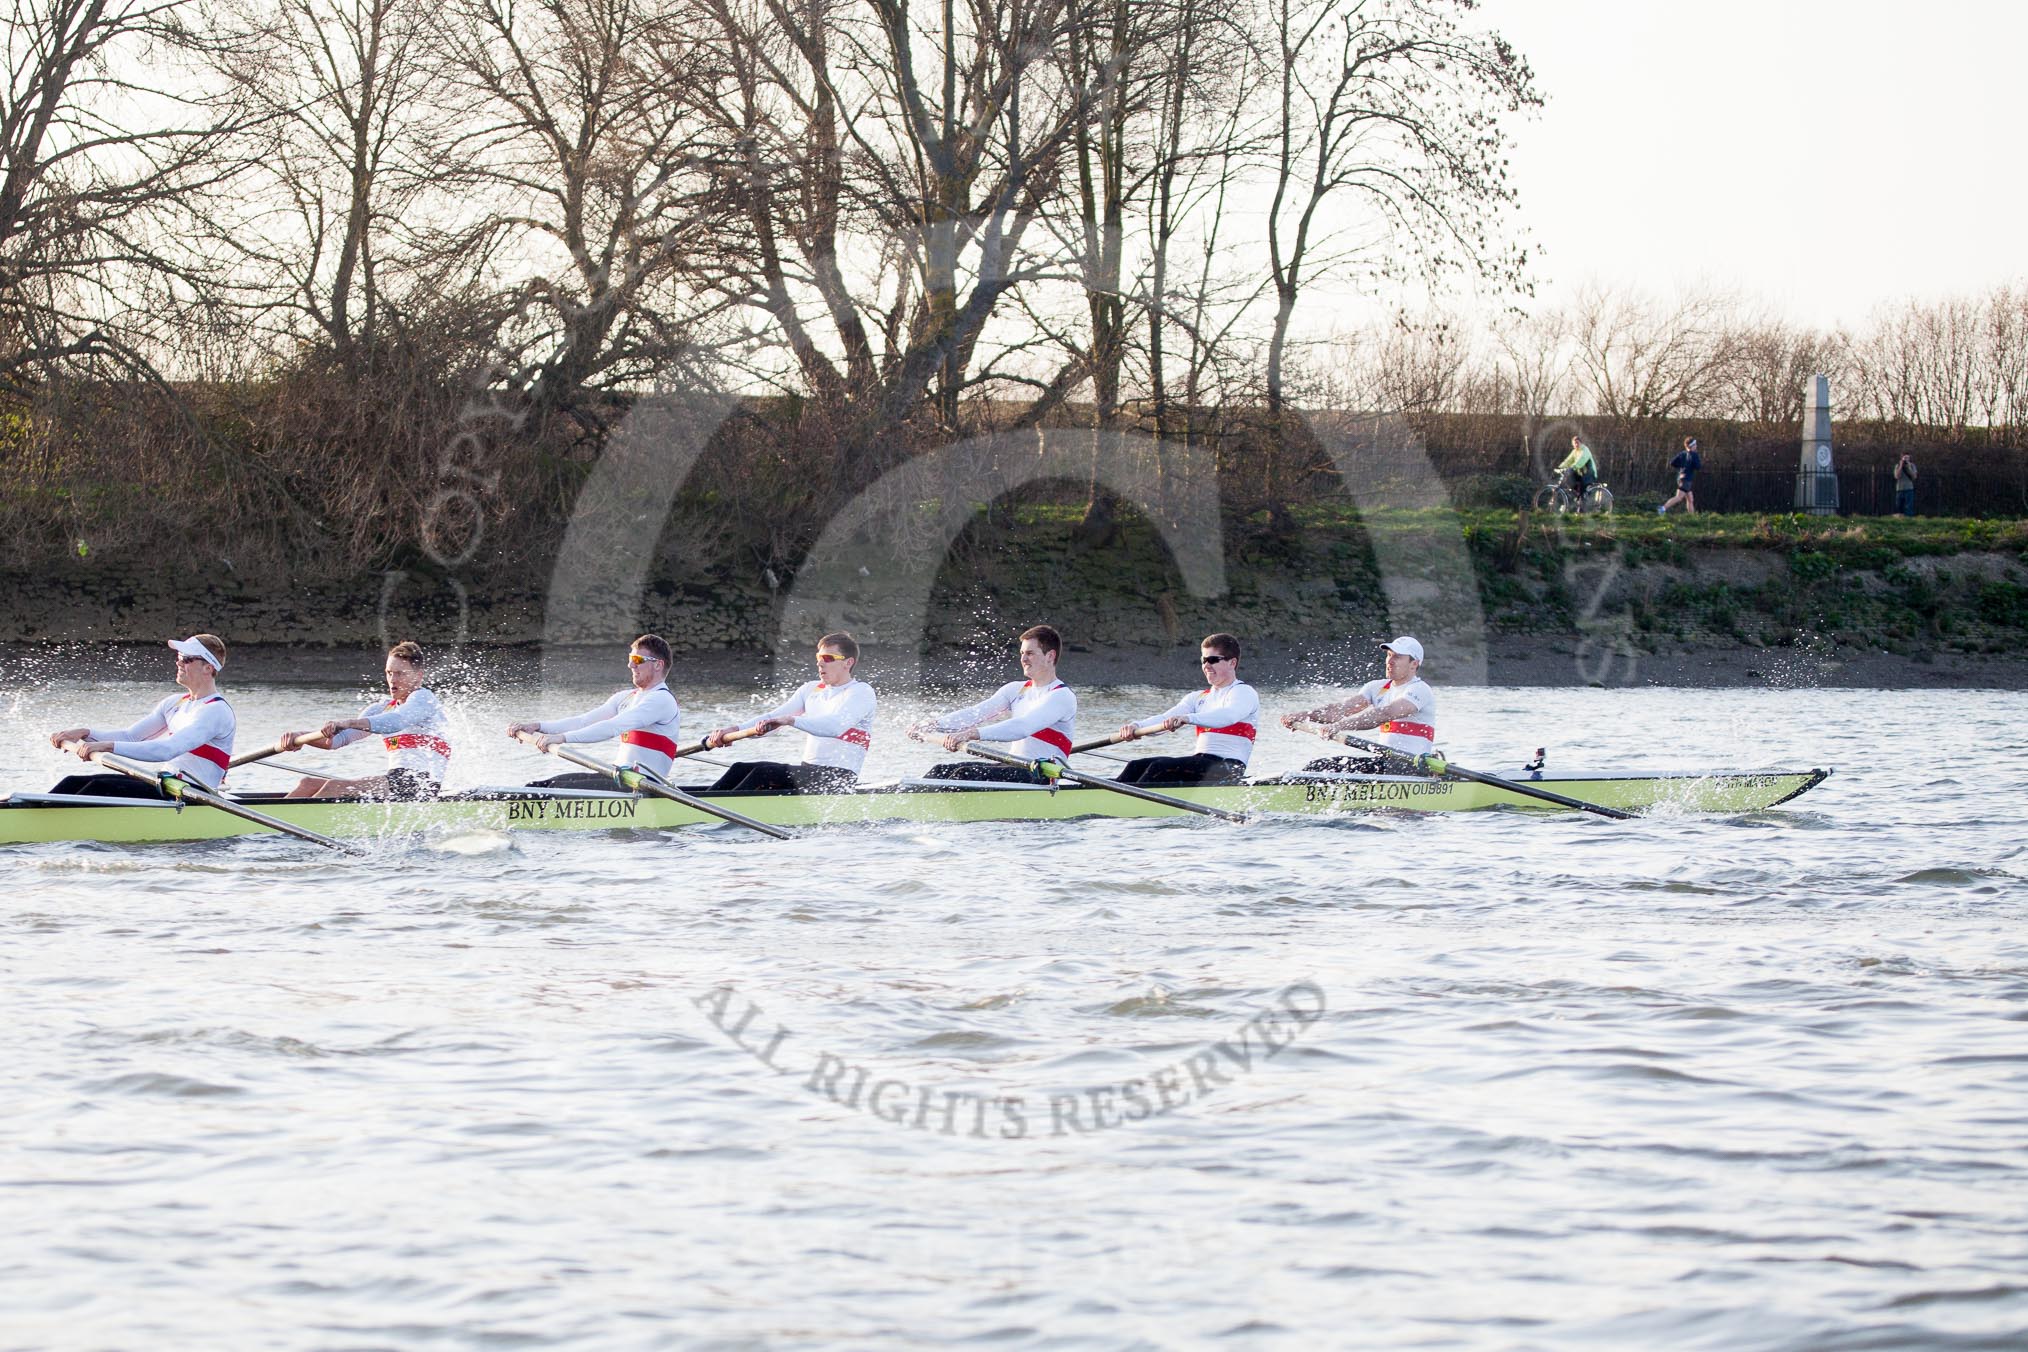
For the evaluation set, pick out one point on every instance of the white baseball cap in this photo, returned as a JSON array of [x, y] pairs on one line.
[[190, 647], [1406, 646]]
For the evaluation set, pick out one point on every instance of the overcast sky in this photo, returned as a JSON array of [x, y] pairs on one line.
[[1825, 155]]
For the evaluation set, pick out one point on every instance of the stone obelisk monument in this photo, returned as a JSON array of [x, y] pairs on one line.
[[1816, 479]]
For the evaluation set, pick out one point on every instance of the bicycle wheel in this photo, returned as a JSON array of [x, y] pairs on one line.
[[1550, 498], [1599, 499]]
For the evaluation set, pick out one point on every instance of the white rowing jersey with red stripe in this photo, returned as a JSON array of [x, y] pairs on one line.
[[1414, 733], [193, 735], [1040, 721], [837, 721], [415, 732], [644, 720], [1225, 720]]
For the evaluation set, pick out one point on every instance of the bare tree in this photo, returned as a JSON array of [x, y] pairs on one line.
[[1769, 375], [1950, 364], [1409, 366], [353, 230], [107, 179], [1535, 353], [1206, 136], [936, 144], [1642, 360], [2005, 328], [579, 123], [1141, 73], [1397, 105]]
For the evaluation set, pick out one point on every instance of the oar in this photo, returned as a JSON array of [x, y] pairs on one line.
[[1050, 769], [692, 748], [250, 757], [640, 781], [1113, 740], [183, 790], [1092, 747], [1443, 769], [300, 771]]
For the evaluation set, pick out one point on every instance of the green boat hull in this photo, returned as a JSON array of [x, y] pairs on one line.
[[37, 818]]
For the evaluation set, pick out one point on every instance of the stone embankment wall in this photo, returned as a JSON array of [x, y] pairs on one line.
[[1312, 594]]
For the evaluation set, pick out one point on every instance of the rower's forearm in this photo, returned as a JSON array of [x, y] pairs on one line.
[[155, 751], [1373, 715]]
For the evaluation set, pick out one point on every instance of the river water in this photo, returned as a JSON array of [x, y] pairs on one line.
[[1483, 1081]]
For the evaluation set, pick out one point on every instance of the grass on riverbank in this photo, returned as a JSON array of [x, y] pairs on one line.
[[1871, 541], [1853, 541], [1888, 584]]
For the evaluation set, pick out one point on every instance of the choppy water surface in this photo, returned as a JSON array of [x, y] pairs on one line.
[[1536, 1081]]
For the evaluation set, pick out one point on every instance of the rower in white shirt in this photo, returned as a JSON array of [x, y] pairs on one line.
[[835, 715], [412, 726], [189, 734], [644, 717], [1225, 712], [1037, 716], [1399, 711]]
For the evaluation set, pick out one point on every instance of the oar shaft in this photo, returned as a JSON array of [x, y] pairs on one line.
[[738, 735], [251, 757], [178, 787], [1546, 795], [1094, 745], [1460, 772], [1100, 782], [640, 782]]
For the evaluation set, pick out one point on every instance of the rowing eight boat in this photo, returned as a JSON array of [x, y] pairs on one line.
[[35, 817]]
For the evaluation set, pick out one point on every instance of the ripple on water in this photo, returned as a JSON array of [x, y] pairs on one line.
[[1158, 1005], [1991, 878], [159, 1084]]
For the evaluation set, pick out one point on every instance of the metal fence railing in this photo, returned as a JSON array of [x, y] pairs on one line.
[[1863, 490]]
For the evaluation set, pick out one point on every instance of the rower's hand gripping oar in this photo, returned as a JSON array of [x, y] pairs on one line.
[[1437, 767], [640, 781], [183, 791], [1054, 770]]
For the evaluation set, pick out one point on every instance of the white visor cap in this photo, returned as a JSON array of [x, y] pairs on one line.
[[1406, 646], [190, 647]]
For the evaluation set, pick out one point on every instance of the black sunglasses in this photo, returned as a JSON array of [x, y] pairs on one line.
[[1212, 659]]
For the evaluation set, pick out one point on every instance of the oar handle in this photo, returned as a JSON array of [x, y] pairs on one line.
[[737, 735], [1114, 740], [248, 758]]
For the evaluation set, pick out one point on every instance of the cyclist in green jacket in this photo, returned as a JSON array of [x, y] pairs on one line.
[[1579, 469]]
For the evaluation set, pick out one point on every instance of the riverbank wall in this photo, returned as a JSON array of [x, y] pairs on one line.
[[1511, 598]]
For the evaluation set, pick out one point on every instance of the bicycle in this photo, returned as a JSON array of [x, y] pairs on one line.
[[1554, 497]]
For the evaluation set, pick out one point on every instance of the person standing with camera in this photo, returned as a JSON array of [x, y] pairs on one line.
[[1904, 485]]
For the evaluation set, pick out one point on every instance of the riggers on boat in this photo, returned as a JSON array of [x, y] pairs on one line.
[[36, 817]]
